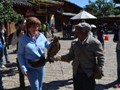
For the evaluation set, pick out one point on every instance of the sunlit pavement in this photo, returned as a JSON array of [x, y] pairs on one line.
[[58, 75]]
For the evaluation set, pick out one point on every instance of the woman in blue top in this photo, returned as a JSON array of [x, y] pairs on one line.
[[1, 55], [31, 47], [1, 51]]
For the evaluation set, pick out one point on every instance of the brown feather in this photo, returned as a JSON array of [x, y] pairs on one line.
[[53, 50]]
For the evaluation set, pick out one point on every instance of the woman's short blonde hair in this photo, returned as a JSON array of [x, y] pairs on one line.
[[32, 21]]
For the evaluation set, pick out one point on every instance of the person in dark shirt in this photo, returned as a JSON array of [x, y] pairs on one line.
[[69, 30], [100, 35], [116, 39], [64, 30], [20, 30]]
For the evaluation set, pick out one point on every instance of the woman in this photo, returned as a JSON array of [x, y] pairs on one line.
[[20, 30], [31, 48], [3, 37], [1, 54]]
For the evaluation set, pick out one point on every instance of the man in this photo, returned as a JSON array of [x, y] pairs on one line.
[[69, 29], [19, 32], [116, 39], [88, 58], [64, 30]]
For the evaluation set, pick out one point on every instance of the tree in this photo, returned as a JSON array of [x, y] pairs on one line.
[[101, 8], [116, 1], [7, 12]]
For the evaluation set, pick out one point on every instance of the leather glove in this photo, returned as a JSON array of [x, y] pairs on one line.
[[58, 58], [98, 73]]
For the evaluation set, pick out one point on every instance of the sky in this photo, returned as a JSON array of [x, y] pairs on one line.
[[81, 3]]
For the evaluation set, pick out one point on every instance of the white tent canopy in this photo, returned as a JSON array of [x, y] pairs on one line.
[[83, 15]]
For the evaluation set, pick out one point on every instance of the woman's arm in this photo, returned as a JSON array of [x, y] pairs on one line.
[[21, 57]]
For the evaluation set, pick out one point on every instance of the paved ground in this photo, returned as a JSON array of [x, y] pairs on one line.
[[58, 75]]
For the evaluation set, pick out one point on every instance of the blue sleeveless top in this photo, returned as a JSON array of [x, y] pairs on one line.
[[0, 44]]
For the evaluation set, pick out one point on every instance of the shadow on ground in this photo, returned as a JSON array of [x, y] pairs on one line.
[[11, 65], [66, 38], [110, 85], [17, 88], [105, 86], [9, 70], [54, 85]]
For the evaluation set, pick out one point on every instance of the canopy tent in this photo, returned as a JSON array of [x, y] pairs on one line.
[[83, 15]]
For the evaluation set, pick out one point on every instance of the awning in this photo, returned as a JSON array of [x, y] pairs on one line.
[[22, 2], [66, 13], [48, 3]]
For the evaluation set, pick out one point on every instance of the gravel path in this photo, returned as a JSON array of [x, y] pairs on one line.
[[58, 75]]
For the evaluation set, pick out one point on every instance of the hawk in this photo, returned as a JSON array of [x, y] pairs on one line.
[[53, 49]]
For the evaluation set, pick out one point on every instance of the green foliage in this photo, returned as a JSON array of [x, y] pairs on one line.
[[102, 8], [116, 1], [7, 12]]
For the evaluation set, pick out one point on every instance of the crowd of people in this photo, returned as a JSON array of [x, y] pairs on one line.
[[86, 52]]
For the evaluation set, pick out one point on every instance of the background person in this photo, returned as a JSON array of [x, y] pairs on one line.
[[64, 30], [69, 29], [4, 37], [1, 54], [93, 30], [44, 29], [116, 39], [52, 30], [100, 35], [88, 58], [20, 30]]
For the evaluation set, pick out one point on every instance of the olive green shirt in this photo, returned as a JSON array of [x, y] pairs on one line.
[[87, 54]]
